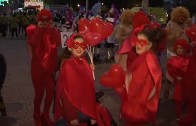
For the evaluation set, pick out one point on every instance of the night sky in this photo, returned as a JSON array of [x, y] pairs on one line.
[[118, 3]]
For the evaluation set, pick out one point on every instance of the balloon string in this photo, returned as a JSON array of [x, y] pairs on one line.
[[90, 51]]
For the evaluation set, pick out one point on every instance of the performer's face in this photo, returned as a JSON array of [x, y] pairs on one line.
[[45, 21], [78, 47], [180, 50], [142, 44]]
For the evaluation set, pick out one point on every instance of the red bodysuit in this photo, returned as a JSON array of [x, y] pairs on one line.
[[44, 43]]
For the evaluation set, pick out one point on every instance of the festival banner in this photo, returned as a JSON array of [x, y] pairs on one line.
[[64, 37]]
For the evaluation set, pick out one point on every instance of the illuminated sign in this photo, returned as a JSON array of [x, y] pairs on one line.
[[39, 4], [1, 2]]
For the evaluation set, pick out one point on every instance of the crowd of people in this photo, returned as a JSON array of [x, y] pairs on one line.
[[142, 42]]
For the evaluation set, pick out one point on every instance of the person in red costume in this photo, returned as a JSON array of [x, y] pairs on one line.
[[140, 94], [189, 88], [75, 93], [128, 45], [176, 67], [42, 43]]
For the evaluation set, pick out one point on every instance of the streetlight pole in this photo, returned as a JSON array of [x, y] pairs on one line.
[[87, 3], [145, 4]]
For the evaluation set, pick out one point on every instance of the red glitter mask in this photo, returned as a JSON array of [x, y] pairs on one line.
[[141, 42], [76, 45]]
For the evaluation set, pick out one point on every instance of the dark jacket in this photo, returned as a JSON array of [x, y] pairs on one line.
[[2, 70]]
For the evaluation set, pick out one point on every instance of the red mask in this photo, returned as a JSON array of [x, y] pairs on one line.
[[76, 45], [141, 42]]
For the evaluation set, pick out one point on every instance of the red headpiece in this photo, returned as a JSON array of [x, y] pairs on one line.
[[44, 13], [70, 42], [140, 19], [183, 43]]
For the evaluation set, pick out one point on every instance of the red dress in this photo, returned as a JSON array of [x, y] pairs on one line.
[[75, 88], [146, 76], [176, 67]]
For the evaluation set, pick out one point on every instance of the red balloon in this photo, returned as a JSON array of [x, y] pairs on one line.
[[84, 25], [191, 33], [108, 29], [92, 38], [98, 26], [115, 77]]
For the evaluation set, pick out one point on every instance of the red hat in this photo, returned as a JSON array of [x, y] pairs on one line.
[[182, 43], [44, 13]]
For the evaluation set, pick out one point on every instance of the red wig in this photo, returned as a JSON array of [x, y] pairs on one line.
[[139, 19], [182, 43], [44, 13]]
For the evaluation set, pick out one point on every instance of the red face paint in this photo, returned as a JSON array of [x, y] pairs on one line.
[[76, 45], [141, 42]]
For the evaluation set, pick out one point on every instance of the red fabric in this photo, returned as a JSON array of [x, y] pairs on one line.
[[132, 55], [76, 79], [121, 91], [139, 19], [69, 111], [142, 109], [176, 66], [189, 87], [42, 81], [46, 13], [44, 43], [103, 116]]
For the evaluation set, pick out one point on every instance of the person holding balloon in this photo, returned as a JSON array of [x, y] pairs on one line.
[[76, 94], [140, 87]]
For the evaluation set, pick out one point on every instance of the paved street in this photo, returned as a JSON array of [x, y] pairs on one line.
[[18, 90]]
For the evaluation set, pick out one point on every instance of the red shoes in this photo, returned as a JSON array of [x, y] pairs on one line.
[[37, 119], [46, 121]]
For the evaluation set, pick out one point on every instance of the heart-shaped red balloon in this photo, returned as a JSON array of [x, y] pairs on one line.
[[191, 32], [84, 25], [115, 77], [93, 38]]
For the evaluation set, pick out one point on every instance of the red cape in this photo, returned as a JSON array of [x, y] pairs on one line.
[[189, 85], [146, 74], [76, 81]]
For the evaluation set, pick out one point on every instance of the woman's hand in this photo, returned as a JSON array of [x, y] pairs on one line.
[[92, 66], [74, 122], [178, 78]]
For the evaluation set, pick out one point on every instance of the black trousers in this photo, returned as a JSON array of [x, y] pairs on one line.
[[14, 30]]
